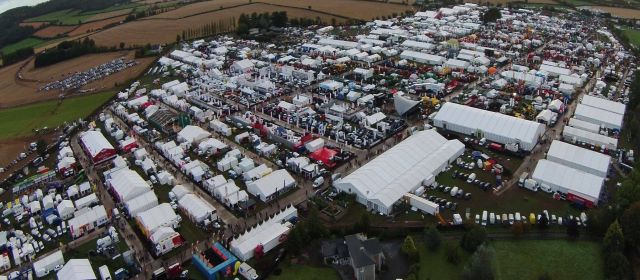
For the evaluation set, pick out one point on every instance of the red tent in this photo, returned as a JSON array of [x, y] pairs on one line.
[[324, 155]]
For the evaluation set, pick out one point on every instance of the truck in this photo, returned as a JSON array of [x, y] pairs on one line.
[[523, 177], [531, 184], [422, 204]]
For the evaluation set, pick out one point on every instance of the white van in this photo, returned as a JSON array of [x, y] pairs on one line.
[[492, 218], [484, 218], [104, 273], [318, 182], [454, 191], [518, 217]]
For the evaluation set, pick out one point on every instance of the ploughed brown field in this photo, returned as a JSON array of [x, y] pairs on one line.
[[141, 32], [25, 91], [618, 12], [95, 25], [53, 31]]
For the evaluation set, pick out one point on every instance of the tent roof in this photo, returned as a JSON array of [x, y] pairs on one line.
[[489, 122], [604, 104], [157, 216], [608, 118], [95, 142], [398, 170], [127, 184], [579, 156], [268, 185], [77, 269], [569, 178], [196, 206]]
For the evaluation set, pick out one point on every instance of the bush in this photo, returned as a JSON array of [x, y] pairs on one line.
[[473, 238], [452, 253], [433, 239], [480, 267]]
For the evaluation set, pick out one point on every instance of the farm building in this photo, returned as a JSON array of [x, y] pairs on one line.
[[265, 236], [493, 126], [141, 203], [598, 116], [125, 184], [160, 216], [267, 187], [97, 147], [87, 220], [578, 185], [383, 181], [573, 135], [579, 158], [77, 269], [604, 104], [197, 208]]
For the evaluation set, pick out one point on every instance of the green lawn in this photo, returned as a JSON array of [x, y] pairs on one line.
[[51, 114], [73, 17], [434, 265], [82, 252], [634, 36], [29, 42], [295, 272], [522, 259], [528, 259]]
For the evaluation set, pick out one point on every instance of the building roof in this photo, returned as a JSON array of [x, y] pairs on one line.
[[599, 116], [504, 128], [77, 269], [268, 185], [402, 168], [127, 184], [580, 158], [361, 251], [192, 133], [568, 178], [141, 203], [604, 104], [94, 142], [161, 215], [197, 207]]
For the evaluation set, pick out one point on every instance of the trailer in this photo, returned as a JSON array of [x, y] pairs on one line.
[[422, 204]]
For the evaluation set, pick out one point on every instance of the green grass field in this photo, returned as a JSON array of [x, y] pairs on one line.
[[295, 272], [434, 265], [522, 259], [562, 259], [29, 42], [72, 17], [51, 114], [634, 36]]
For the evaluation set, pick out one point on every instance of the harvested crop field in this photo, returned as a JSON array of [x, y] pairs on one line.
[[54, 31], [365, 10], [140, 32], [616, 12], [107, 15], [552, 2], [25, 91], [200, 7], [95, 25]]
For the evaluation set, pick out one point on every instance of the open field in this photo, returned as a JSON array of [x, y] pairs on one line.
[[74, 17], [111, 14], [95, 25], [634, 36], [434, 265], [291, 272], [20, 92], [494, 2], [616, 12], [138, 32], [199, 7], [365, 10], [562, 259], [54, 31], [51, 114], [33, 24], [29, 42]]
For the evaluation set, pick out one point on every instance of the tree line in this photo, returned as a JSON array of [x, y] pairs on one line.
[[16, 56], [10, 20], [262, 21], [209, 29], [68, 50]]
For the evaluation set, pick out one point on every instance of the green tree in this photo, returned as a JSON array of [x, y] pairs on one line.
[[613, 240], [315, 227], [41, 147], [480, 267], [617, 267], [473, 238], [452, 252], [432, 238], [491, 15], [409, 249], [630, 223], [364, 224]]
